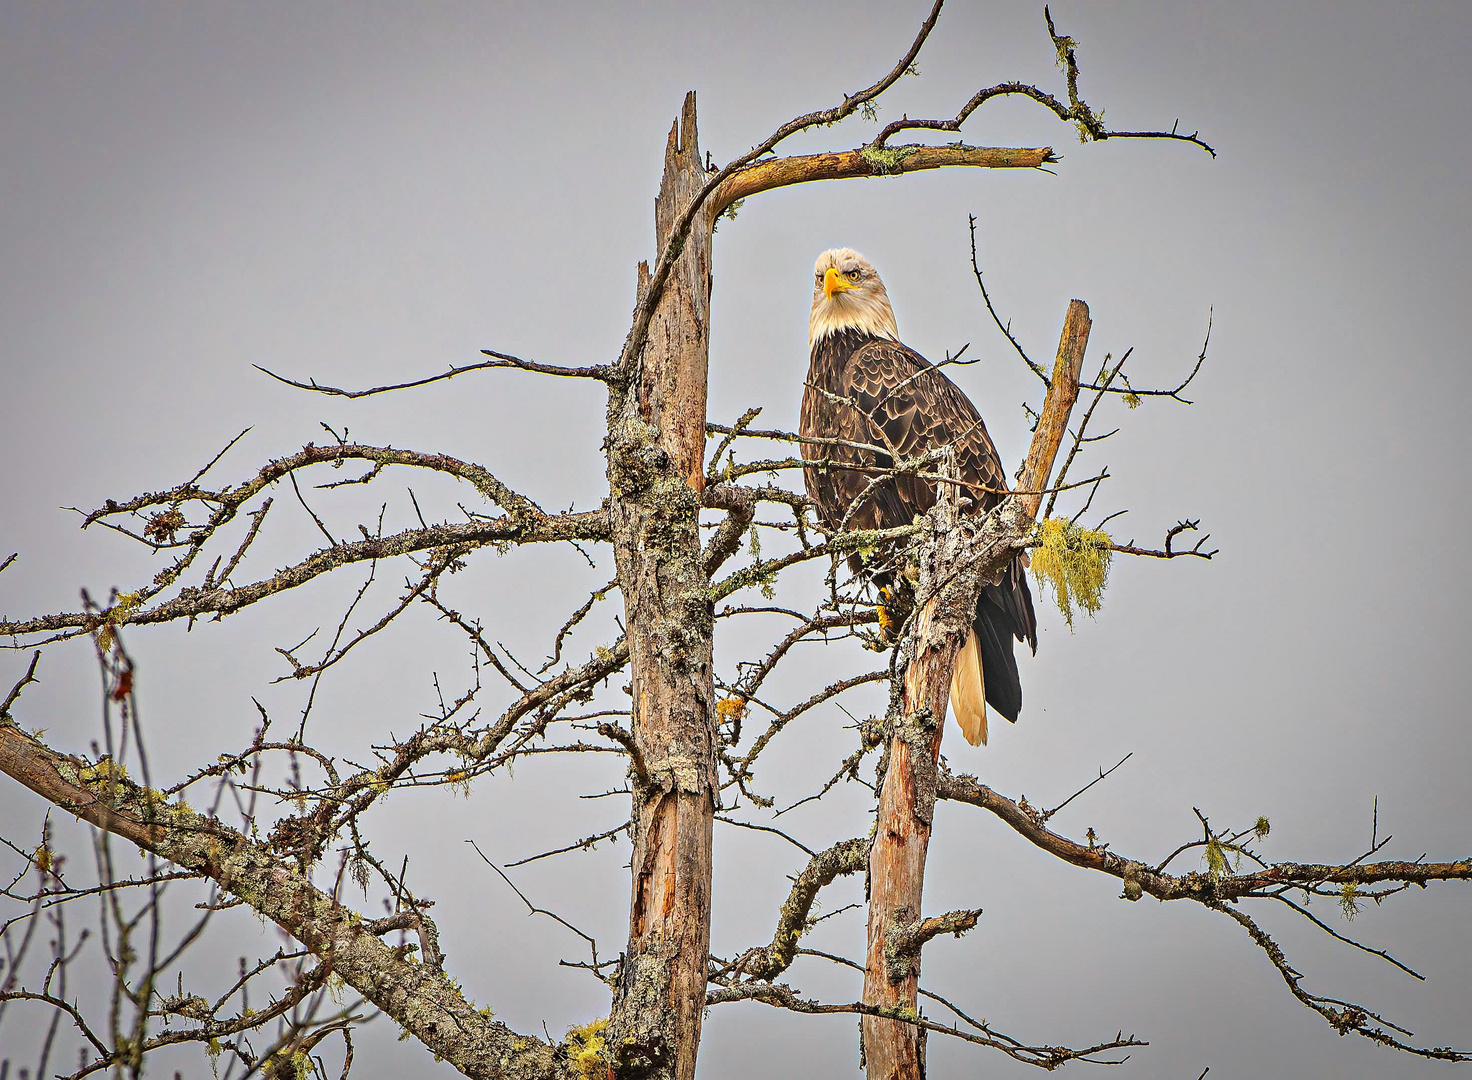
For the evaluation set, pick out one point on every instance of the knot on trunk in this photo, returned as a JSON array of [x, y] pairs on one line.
[[917, 731], [636, 461]]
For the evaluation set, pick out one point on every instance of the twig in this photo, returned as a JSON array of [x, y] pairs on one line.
[[768, 829], [532, 908], [1102, 774], [25, 680]]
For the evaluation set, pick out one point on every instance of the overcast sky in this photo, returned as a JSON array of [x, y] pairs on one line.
[[364, 193]]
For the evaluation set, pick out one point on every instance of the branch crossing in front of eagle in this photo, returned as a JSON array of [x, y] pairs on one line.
[[876, 402]]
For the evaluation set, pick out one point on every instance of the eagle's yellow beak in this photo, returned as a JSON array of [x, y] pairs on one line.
[[834, 282]]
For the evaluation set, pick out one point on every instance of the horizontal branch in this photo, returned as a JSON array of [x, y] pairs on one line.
[[221, 601], [230, 499], [1195, 886], [1169, 552], [1045, 1057], [773, 173], [679, 230], [905, 940]]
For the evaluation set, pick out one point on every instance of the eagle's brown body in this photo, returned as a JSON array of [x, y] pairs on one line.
[[865, 387]]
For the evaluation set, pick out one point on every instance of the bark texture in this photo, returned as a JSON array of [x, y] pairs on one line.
[[771, 173], [656, 447], [960, 558]]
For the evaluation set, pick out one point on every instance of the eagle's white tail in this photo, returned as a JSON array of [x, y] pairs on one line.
[[968, 692]]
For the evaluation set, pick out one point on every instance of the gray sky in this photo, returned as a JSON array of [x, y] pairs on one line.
[[365, 193]]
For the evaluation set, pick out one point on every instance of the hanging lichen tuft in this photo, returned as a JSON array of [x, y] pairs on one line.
[[1074, 562]]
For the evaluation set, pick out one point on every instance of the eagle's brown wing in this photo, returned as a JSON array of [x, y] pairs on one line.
[[889, 396], [911, 407]]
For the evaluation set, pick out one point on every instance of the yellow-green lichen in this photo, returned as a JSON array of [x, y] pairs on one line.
[[1074, 562], [107, 777], [1216, 858], [1222, 857], [886, 160], [117, 615], [587, 1047]]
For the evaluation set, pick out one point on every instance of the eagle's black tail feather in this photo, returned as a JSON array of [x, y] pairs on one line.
[[1003, 615], [998, 666]]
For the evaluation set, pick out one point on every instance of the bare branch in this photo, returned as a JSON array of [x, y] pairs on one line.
[[533, 909], [1343, 1016], [1102, 774], [1167, 552], [1217, 890], [585, 844], [25, 680], [499, 360]]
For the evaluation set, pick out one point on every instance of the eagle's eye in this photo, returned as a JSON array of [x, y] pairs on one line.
[[853, 275]]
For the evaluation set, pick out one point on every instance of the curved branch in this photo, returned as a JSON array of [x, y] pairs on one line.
[[769, 961], [499, 360], [423, 1001], [219, 601], [653, 288], [1195, 886]]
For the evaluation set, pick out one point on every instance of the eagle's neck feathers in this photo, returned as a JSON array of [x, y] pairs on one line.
[[857, 311]]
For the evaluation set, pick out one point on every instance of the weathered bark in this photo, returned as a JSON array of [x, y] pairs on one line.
[[656, 446], [770, 173], [951, 574]]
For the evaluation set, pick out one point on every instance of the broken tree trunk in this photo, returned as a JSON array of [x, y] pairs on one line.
[[962, 554], [655, 450]]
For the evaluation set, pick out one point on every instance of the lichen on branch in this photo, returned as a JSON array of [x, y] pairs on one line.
[[1074, 563]]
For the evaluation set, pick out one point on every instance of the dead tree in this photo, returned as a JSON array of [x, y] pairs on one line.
[[686, 753]]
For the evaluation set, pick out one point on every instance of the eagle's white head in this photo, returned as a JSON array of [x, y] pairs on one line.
[[848, 295]]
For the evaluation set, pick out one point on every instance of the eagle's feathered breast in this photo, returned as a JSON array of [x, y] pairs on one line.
[[880, 393]]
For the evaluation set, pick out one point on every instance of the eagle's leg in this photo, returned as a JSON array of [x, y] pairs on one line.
[[896, 602], [887, 623]]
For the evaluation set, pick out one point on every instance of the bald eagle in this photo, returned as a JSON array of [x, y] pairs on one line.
[[864, 386]]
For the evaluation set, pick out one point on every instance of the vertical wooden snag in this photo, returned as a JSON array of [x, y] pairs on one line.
[[655, 453], [894, 1049]]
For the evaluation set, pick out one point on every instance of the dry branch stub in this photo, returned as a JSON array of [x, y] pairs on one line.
[[958, 558]]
